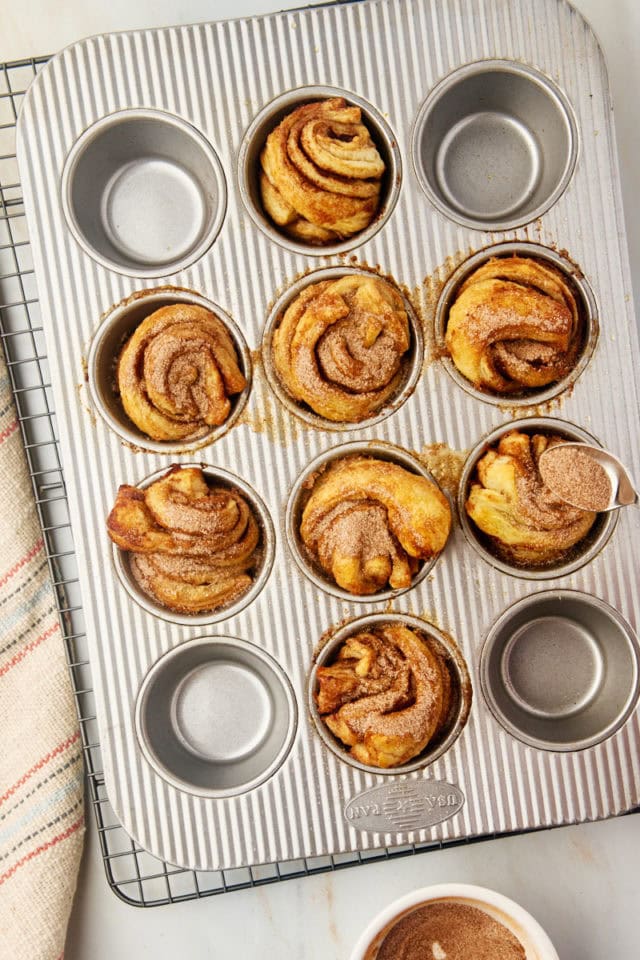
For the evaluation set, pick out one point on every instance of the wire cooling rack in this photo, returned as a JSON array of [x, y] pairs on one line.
[[133, 874]]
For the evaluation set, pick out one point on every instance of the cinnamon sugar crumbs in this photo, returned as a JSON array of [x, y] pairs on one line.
[[576, 477], [444, 464]]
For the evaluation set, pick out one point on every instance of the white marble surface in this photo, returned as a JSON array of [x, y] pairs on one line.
[[580, 882]]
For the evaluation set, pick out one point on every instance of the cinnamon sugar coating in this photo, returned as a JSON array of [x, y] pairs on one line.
[[321, 172], [526, 522], [370, 522], [177, 371], [340, 344], [386, 695], [515, 325], [193, 547]]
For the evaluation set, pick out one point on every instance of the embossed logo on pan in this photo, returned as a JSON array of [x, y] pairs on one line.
[[404, 807]]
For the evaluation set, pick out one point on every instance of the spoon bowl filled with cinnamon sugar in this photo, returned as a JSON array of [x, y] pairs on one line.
[[587, 477]]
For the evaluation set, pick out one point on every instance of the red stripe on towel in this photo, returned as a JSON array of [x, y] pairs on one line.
[[6, 433], [42, 848], [40, 764], [29, 556], [28, 648]]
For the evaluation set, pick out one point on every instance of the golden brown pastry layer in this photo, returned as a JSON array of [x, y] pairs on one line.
[[321, 172], [340, 344], [177, 371], [193, 547], [369, 523], [386, 695], [515, 325], [527, 524]]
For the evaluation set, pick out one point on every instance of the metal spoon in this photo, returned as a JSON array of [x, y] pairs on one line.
[[623, 493]]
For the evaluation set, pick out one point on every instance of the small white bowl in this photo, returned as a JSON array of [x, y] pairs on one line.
[[535, 941]]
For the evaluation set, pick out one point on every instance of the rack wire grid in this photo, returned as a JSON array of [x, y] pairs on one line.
[[135, 875]]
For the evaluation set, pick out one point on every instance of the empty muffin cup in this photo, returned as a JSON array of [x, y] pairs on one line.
[[495, 144], [581, 553], [559, 670], [249, 166], [116, 328], [216, 716], [442, 645], [411, 364], [580, 291], [143, 193], [265, 554], [299, 496]]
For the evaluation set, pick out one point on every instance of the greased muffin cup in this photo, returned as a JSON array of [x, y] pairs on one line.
[[495, 144], [299, 495], [269, 118], [216, 716], [411, 364], [119, 323], [516, 919], [584, 299], [266, 553], [582, 553], [560, 670], [144, 193], [441, 645]]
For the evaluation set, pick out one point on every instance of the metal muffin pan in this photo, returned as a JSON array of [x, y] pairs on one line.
[[315, 803]]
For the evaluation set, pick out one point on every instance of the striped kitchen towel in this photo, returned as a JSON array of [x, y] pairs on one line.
[[41, 770]]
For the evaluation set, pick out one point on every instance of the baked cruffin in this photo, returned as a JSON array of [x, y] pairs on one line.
[[193, 547], [515, 326], [340, 345], [321, 173], [177, 372], [526, 523], [386, 695], [369, 523]]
